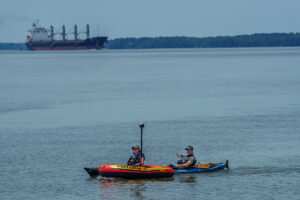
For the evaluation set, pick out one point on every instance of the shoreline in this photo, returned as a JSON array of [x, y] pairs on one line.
[[256, 40]]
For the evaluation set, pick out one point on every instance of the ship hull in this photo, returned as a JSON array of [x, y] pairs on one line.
[[91, 43]]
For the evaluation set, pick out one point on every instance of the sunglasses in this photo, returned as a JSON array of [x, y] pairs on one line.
[[134, 148]]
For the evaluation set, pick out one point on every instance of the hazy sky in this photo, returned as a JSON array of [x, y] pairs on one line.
[[137, 18]]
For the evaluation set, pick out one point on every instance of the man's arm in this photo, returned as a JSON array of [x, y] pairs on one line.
[[141, 161], [179, 155], [185, 165]]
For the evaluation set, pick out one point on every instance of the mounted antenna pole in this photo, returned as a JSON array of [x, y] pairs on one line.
[[142, 126], [63, 34], [75, 32], [52, 33], [87, 31]]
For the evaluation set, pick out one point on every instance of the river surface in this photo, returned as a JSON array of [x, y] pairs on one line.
[[64, 110]]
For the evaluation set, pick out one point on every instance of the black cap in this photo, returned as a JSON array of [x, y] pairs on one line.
[[189, 148]]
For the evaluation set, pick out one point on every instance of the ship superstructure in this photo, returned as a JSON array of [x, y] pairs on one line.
[[41, 38]]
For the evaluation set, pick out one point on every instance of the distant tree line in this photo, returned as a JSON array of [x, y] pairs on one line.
[[253, 40]]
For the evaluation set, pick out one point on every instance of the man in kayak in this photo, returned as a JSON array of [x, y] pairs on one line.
[[186, 161], [137, 158]]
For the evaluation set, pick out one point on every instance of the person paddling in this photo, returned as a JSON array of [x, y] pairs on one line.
[[186, 161], [137, 158]]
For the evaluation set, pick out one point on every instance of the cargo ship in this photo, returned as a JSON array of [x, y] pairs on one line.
[[41, 38]]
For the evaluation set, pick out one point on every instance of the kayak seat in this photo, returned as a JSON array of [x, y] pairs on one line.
[[202, 165], [206, 165]]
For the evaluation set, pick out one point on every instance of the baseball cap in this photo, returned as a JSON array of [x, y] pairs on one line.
[[135, 147], [189, 148]]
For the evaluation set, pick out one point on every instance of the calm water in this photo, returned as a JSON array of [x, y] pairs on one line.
[[62, 111]]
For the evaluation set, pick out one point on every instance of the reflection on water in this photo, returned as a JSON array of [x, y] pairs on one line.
[[107, 182], [135, 187], [187, 178], [139, 188]]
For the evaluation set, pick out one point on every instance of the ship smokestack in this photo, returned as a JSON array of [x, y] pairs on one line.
[[87, 31], [52, 33], [63, 34], [75, 32]]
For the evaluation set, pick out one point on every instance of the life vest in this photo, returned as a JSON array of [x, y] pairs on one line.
[[135, 158], [194, 162]]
